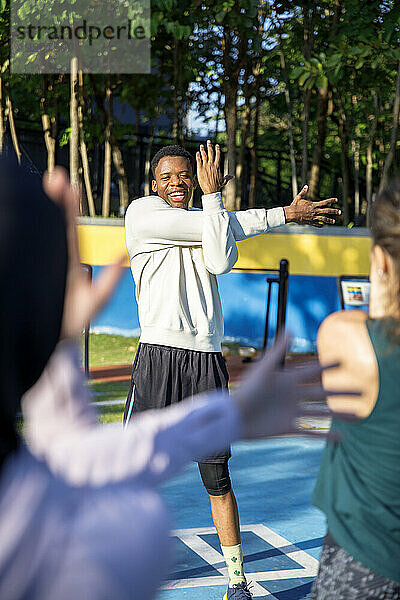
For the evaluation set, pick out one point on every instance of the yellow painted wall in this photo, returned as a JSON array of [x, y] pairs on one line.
[[101, 244], [308, 254]]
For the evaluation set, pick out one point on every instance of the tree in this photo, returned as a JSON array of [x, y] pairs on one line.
[[393, 137]]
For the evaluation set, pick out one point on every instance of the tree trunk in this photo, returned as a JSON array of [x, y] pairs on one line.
[[322, 104], [49, 140], [290, 126], [83, 149], [74, 136], [122, 177], [371, 140], [255, 110], [341, 122], [393, 138], [107, 154], [308, 38], [306, 119], [254, 155], [355, 149], [107, 177], [13, 131], [217, 118], [368, 177], [119, 165], [177, 127], [231, 128], [344, 160], [232, 58], [322, 117], [116, 152], [244, 135], [147, 166], [175, 124], [2, 120]]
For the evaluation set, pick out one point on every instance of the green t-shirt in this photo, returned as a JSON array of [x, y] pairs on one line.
[[358, 486]]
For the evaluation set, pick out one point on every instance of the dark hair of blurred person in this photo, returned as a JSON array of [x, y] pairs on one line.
[[33, 267]]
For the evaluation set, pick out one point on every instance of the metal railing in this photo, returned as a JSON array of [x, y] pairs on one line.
[[281, 278], [89, 271]]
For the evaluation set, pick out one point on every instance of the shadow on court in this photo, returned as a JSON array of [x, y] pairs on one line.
[[282, 532]]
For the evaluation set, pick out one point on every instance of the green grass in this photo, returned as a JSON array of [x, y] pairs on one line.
[[111, 349], [111, 414], [119, 350], [108, 390], [114, 350]]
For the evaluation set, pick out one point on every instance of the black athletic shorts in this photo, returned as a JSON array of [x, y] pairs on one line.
[[163, 375]]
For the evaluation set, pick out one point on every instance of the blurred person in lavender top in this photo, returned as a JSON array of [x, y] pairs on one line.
[[80, 515]]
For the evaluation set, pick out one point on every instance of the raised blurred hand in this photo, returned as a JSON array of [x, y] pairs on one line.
[[270, 397], [83, 299]]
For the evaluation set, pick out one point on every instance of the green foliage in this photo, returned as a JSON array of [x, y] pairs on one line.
[[352, 53], [65, 136]]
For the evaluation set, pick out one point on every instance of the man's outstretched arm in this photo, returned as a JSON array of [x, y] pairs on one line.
[[247, 223]]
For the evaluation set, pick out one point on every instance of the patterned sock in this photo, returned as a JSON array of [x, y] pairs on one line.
[[234, 561]]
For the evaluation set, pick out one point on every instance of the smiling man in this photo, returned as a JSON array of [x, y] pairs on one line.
[[176, 253]]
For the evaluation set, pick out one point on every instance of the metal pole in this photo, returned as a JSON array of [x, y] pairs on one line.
[[89, 270], [270, 281], [282, 296]]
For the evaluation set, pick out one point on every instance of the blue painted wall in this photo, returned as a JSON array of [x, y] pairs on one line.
[[243, 294]]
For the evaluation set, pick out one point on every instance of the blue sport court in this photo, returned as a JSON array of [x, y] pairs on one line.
[[282, 532]]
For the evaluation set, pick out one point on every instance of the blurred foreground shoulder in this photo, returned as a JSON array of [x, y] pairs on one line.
[[341, 325]]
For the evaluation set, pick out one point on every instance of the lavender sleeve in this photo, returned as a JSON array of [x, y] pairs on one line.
[[61, 428]]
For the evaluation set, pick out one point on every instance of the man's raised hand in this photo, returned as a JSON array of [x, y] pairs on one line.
[[209, 173], [306, 212]]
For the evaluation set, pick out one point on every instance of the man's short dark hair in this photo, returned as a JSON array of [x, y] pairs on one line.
[[171, 151]]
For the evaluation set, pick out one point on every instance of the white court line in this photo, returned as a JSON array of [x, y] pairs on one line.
[[205, 551], [192, 539], [302, 558]]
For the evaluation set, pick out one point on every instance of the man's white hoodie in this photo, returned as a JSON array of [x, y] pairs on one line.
[[175, 256]]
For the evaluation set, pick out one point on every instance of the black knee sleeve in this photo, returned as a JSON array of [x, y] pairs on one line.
[[215, 477]]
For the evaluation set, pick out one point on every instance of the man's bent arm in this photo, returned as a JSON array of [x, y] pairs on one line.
[[151, 220], [219, 244]]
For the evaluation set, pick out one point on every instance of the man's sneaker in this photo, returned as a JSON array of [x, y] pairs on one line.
[[238, 592]]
